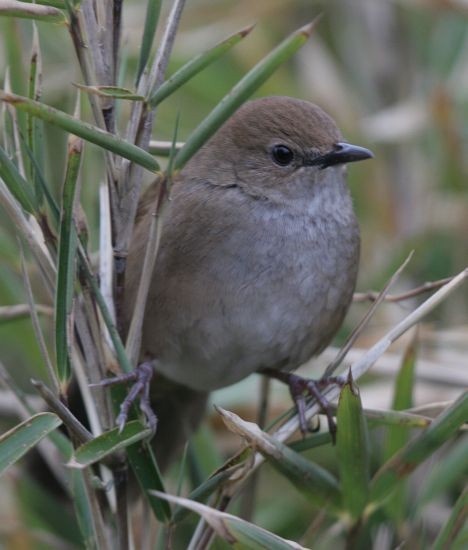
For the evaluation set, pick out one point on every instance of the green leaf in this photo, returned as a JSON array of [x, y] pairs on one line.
[[422, 447], [15, 182], [26, 10], [145, 468], [241, 91], [82, 129], [110, 91], [352, 447], [83, 511], [66, 260], [195, 65], [446, 473], [153, 9], [456, 522], [19, 440], [316, 483], [108, 443], [397, 436]]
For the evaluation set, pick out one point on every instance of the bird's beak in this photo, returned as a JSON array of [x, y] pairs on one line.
[[342, 153]]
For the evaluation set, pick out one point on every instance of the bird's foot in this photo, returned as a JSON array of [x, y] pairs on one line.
[[141, 378], [301, 388]]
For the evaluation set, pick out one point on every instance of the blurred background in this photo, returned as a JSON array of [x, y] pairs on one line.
[[394, 75]]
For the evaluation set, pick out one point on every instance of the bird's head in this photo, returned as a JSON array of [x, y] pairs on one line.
[[275, 146]]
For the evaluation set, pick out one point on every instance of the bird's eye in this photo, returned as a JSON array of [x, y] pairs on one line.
[[282, 155]]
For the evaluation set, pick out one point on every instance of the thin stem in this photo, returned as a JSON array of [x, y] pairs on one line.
[[372, 295], [365, 320]]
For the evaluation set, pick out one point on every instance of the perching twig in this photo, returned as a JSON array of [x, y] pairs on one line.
[[365, 320], [71, 422], [372, 295]]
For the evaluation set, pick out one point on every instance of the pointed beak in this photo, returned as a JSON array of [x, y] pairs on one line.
[[342, 153]]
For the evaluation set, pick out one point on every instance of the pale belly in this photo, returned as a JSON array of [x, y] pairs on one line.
[[275, 307]]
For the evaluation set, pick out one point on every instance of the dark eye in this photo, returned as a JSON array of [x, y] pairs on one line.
[[282, 155]]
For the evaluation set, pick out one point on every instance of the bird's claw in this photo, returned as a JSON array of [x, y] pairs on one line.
[[141, 378], [300, 388]]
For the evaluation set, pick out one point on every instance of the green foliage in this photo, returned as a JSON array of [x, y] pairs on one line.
[[405, 97]]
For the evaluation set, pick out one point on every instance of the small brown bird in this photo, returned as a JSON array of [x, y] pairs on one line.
[[257, 263]]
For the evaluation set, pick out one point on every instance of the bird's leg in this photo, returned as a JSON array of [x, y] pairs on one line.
[[300, 388], [141, 378]]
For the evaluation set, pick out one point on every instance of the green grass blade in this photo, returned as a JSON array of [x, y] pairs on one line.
[[83, 510], [60, 4], [243, 89], [32, 129], [153, 9], [145, 468], [195, 65], [115, 92], [18, 186], [405, 461], [397, 436], [317, 484], [66, 259], [19, 440], [352, 448], [445, 474], [456, 522], [82, 129], [24, 10], [107, 443]]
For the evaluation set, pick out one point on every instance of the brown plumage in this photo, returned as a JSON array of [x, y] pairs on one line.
[[258, 257]]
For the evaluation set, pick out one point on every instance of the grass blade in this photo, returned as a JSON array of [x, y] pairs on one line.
[[19, 440], [82, 129], [457, 520], [243, 89], [153, 9], [195, 65], [111, 91], [12, 8], [316, 483], [66, 259], [107, 443], [405, 461], [353, 450], [445, 474], [397, 436], [236, 531], [17, 185]]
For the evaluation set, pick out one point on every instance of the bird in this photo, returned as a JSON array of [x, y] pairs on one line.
[[257, 263]]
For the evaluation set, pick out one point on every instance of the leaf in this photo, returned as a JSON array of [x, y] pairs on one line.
[[24, 10], [17, 185], [405, 461], [66, 260], [195, 65], [153, 9], [19, 440], [397, 436], [236, 531], [457, 520], [110, 91], [316, 483], [241, 91], [352, 447], [446, 473], [82, 129], [108, 443]]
